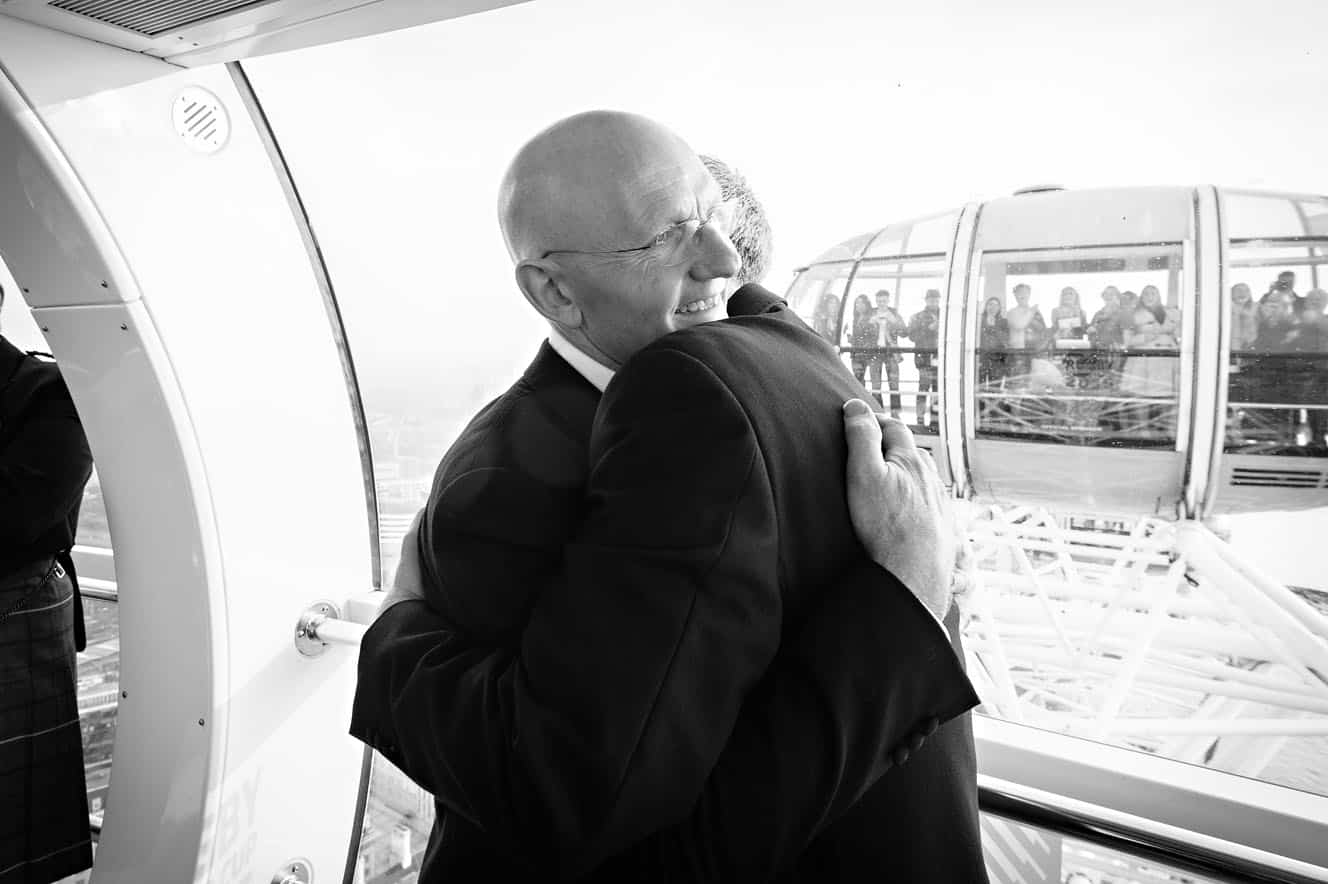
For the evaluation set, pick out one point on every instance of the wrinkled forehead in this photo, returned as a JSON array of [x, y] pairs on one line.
[[640, 190]]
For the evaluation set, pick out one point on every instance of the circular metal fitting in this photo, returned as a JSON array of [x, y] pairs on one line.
[[307, 641]]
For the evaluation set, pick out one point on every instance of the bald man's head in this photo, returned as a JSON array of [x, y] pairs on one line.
[[618, 233], [588, 182]]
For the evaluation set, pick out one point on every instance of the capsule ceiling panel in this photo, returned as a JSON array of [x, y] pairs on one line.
[[198, 32], [1113, 216]]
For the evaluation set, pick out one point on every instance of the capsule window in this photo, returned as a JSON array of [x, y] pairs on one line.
[[1277, 394], [1080, 347], [817, 296], [890, 332]]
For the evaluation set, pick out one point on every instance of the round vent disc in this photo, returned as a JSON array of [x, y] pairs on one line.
[[201, 120]]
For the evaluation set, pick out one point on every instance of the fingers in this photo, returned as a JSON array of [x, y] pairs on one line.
[[864, 438], [927, 458], [898, 437]]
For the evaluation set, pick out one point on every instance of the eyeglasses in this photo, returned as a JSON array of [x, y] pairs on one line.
[[671, 244]]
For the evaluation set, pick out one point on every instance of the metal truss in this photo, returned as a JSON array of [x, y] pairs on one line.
[[1149, 634], [1097, 408]]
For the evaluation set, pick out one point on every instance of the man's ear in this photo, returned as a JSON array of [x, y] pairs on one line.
[[540, 280]]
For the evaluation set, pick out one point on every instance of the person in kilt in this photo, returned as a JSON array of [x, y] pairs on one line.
[[44, 464]]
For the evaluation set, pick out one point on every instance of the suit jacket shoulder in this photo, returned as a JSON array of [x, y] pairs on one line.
[[505, 498]]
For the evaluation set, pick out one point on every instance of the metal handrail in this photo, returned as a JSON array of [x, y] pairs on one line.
[[1139, 837], [320, 626]]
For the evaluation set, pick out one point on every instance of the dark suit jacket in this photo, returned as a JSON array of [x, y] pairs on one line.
[[711, 671], [44, 460]]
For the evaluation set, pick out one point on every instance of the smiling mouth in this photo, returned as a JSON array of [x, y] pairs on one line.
[[701, 306]]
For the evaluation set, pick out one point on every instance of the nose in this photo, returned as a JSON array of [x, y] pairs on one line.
[[716, 256]]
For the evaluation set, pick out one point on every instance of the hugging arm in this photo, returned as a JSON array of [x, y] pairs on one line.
[[605, 723], [650, 653]]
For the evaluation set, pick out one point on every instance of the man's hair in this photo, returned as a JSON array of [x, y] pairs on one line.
[[751, 234]]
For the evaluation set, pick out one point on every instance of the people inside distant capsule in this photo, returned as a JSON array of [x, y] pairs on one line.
[[863, 333], [1244, 317], [1286, 284], [892, 326], [1025, 322], [1026, 328], [825, 318], [1153, 377], [1314, 322], [1105, 333], [993, 338], [924, 329], [1104, 329], [1068, 322], [1277, 323], [1151, 300]]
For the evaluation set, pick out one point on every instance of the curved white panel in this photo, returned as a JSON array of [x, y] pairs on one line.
[[229, 359], [172, 716]]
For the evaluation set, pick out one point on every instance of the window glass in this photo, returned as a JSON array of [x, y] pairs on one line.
[[397, 820], [1277, 399], [1017, 853], [847, 250], [99, 697], [99, 663], [1079, 347], [817, 296], [932, 234], [890, 331], [1273, 216]]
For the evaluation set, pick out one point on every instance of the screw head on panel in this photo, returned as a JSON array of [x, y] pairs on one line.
[[297, 871]]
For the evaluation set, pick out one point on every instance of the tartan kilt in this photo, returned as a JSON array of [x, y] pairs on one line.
[[44, 833]]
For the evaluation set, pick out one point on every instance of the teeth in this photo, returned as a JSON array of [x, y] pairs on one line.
[[699, 306]]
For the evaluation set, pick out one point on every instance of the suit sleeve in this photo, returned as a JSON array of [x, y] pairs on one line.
[[637, 657], [613, 721], [859, 688]]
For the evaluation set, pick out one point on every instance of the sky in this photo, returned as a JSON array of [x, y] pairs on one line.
[[843, 115]]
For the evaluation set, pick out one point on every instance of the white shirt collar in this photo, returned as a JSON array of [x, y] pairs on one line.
[[597, 374]]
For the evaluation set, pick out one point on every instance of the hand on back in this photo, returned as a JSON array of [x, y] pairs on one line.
[[900, 509]]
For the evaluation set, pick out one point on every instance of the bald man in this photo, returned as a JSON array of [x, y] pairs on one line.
[[650, 644]]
